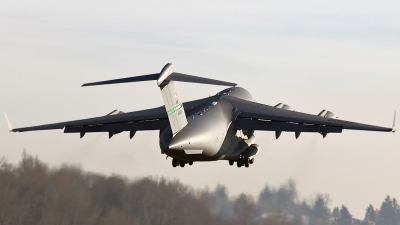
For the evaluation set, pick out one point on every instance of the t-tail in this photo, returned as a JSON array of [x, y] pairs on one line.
[[169, 90], [173, 105]]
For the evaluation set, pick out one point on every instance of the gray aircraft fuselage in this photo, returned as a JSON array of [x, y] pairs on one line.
[[210, 133]]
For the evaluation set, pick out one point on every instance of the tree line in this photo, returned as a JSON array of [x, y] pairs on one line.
[[31, 193]]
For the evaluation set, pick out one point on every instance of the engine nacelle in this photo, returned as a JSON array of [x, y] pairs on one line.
[[283, 106], [114, 112], [327, 114], [111, 133], [251, 151]]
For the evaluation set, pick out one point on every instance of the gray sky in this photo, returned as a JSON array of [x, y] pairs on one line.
[[342, 56]]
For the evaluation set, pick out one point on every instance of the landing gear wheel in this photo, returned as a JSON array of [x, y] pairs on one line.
[[174, 162], [239, 163], [191, 163], [252, 161], [182, 163], [246, 162], [231, 162]]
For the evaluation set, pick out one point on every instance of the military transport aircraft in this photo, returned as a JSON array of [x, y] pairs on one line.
[[220, 127]]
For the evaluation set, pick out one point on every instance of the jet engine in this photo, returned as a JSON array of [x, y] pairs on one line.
[[326, 114], [286, 107], [283, 106], [112, 133]]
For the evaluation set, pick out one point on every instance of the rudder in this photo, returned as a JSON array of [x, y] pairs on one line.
[[172, 102]]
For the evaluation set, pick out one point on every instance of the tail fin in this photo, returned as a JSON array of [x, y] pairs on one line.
[[8, 123], [394, 123], [169, 90], [173, 105]]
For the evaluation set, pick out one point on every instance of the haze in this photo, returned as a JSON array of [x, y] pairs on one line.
[[340, 56]]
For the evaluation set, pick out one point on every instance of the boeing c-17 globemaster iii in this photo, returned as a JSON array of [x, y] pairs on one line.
[[220, 127]]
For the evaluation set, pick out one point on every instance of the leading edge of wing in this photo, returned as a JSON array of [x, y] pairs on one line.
[[148, 114], [264, 112]]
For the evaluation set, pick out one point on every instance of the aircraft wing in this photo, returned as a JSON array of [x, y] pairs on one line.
[[115, 122], [150, 119], [256, 116]]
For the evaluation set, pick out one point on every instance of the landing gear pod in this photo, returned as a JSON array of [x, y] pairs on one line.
[[251, 151]]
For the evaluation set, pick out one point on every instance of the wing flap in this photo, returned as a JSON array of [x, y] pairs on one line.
[[134, 126], [248, 124]]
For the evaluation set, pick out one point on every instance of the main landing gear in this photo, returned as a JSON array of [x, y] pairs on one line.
[[176, 162], [242, 161]]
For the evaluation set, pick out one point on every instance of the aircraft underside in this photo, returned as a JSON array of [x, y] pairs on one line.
[[236, 148], [210, 135]]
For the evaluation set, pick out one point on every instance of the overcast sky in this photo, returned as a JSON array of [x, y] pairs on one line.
[[339, 55]]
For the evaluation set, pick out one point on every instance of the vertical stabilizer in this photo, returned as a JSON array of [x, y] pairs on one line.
[[8, 123], [171, 97], [394, 123], [166, 81]]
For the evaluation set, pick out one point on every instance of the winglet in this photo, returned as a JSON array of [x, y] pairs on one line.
[[394, 123], [8, 123]]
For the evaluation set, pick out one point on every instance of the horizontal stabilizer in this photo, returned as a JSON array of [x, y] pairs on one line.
[[125, 80], [200, 80], [170, 76]]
